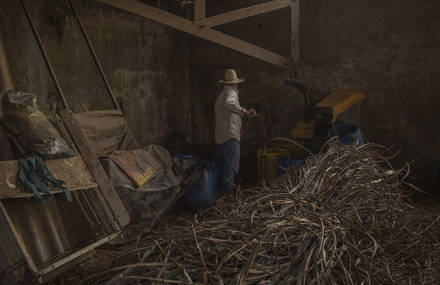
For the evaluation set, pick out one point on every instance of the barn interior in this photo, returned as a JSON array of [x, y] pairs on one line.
[[339, 171]]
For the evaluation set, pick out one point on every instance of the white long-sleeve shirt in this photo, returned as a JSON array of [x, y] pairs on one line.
[[228, 113]]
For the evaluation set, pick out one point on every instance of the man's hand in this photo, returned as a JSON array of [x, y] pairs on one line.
[[251, 113]]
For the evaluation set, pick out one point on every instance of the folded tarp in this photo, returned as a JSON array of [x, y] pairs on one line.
[[106, 131], [148, 203]]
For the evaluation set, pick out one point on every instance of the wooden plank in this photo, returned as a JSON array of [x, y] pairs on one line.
[[92, 161], [30, 195], [179, 23], [71, 170], [295, 31], [78, 253], [199, 10], [6, 150], [243, 13], [5, 74], [50, 276], [58, 122]]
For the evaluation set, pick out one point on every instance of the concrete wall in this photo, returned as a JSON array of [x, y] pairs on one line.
[[389, 49], [146, 63], [166, 80]]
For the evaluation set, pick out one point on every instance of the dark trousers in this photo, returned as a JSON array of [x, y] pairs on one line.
[[230, 151]]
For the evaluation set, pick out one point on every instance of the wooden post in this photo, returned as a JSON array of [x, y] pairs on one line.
[[5, 75], [295, 31], [199, 10], [6, 82]]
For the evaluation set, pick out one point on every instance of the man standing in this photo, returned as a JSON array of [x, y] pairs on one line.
[[228, 114]]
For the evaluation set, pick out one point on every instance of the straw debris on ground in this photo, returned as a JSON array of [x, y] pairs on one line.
[[343, 218]]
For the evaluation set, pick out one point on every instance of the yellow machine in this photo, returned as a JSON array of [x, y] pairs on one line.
[[318, 121], [321, 117]]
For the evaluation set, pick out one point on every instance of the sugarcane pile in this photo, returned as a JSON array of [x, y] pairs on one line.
[[343, 218]]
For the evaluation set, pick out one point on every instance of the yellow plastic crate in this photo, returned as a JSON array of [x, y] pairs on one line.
[[288, 150], [267, 163], [280, 150]]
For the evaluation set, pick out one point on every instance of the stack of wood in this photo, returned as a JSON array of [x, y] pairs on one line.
[[343, 218]]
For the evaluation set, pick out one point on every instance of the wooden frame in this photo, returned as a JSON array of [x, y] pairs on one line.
[[72, 170], [294, 31], [5, 75], [43, 271], [243, 13], [200, 27], [78, 178]]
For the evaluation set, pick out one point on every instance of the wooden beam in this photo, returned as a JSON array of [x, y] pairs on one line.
[[295, 31], [95, 167], [6, 151], [78, 253], [65, 267], [5, 74], [199, 10], [243, 13], [179, 23]]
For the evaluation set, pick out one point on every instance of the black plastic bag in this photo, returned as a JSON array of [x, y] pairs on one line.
[[33, 130]]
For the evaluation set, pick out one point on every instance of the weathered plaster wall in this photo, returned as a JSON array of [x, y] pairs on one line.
[[166, 80], [389, 49], [146, 63]]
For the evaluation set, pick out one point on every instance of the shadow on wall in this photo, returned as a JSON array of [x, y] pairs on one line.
[[427, 177]]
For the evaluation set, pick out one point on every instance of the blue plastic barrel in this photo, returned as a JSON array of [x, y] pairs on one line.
[[284, 163], [220, 165], [203, 196], [183, 156], [347, 134]]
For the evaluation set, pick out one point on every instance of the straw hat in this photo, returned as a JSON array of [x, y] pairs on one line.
[[231, 77]]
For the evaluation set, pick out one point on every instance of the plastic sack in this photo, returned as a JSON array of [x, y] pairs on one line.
[[137, 164], [33, 130]]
